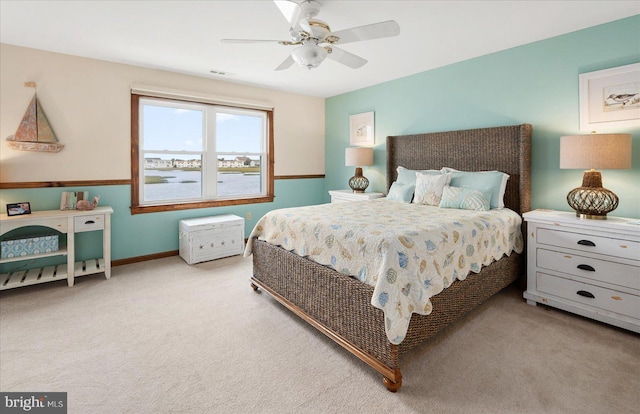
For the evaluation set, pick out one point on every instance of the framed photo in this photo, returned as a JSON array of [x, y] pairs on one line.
[[361, 132], [610, 98], [18, 209]]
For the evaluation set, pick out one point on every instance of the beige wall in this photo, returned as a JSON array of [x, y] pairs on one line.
[[87, 103]]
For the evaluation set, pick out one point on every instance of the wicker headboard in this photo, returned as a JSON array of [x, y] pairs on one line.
[[506, 149]]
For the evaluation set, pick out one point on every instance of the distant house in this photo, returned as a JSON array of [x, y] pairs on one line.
[[237, 162], [244, 161], [151, 163], [194, 163]]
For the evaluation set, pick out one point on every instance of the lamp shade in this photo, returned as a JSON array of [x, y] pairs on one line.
[[596, 151], [358, 157]]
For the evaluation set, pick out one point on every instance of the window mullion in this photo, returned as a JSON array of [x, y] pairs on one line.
[[210, 172]]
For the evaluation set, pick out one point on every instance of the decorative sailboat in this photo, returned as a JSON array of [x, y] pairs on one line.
[[34, 132]]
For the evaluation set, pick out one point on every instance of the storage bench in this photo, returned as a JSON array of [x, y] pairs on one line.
[[209, 238]]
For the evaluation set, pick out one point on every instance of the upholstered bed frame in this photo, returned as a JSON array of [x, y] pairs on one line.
[[339, 305]]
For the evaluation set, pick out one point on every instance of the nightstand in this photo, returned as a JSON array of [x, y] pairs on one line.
[[588, 267], [343, 196]]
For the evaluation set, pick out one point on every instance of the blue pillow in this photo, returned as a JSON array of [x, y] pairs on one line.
[[400, 192], [406, 176], [483, 181], [464, 198]]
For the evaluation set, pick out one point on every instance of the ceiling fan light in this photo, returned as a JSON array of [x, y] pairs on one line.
[[309, 55]]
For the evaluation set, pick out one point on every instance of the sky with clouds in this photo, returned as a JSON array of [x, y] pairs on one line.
[[171, 129]]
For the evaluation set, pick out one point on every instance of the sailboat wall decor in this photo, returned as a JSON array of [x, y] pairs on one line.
[[34, 132]]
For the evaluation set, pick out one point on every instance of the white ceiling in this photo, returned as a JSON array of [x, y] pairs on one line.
[[184, 36]]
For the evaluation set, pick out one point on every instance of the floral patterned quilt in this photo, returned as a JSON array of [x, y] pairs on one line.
[[407, 252]]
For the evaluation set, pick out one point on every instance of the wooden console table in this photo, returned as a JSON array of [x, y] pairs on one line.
[[68, 222]]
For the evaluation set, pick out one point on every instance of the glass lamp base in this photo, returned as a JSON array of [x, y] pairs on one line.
[[358, 182], [592, 202]]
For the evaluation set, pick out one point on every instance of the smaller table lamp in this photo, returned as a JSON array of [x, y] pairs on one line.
[[602, 151], [358, 157]]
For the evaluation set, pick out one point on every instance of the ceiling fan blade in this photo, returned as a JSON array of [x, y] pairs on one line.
[[346, 58], [294, 15], [286, 63], [250, 41], [368, 32]]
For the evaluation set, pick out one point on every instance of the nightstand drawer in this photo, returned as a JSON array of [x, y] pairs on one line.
[[602, 298], [599, 270], [88, 223], [590, 243]]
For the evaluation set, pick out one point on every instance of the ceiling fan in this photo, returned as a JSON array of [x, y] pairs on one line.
[[309, 34]]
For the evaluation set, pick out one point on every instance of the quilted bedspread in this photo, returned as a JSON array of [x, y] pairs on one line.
[[407, 252]]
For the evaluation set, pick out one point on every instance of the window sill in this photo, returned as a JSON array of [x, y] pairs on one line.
[[199, 204]]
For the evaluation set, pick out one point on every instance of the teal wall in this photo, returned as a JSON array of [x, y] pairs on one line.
[[535, 83], [144, 234]]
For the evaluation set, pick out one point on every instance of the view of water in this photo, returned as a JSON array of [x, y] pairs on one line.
[[229, 184]]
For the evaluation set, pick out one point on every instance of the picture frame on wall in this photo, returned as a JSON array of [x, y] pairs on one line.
[[361, 129], [610, 98], [18, 209]]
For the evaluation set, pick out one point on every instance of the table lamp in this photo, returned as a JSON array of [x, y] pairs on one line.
[[601, 151], [358, 157]]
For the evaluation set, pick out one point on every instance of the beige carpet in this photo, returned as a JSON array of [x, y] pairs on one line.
[[165, 337]]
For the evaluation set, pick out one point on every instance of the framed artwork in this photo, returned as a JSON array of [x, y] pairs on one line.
[[18, 209], [361, 132], [610, 98]]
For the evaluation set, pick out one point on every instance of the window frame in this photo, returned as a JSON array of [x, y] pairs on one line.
[[137, 208]]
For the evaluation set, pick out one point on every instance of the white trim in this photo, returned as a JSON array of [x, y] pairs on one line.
[[162, 92]]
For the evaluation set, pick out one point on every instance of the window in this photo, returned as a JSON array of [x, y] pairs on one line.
[[194, 154]]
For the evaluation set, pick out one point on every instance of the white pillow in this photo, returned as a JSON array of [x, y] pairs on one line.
[[429, 188]]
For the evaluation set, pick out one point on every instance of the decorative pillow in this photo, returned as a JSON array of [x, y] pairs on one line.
[[429, 188], [406, 176], [464, 198], [400, 192], [493, 181]]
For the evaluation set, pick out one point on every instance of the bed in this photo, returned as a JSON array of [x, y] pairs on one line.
[[340, 306]]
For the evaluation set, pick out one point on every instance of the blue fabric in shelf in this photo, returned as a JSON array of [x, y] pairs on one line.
[[29, 246]]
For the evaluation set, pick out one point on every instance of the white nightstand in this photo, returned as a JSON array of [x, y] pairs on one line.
[[588, 267], [343, 196]]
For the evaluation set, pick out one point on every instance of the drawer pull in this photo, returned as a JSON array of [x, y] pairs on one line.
[[586, 267], [90, 222], [585, 294], [586, 243]]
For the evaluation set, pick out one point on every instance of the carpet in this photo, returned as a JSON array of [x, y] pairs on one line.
[[165, 337]]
